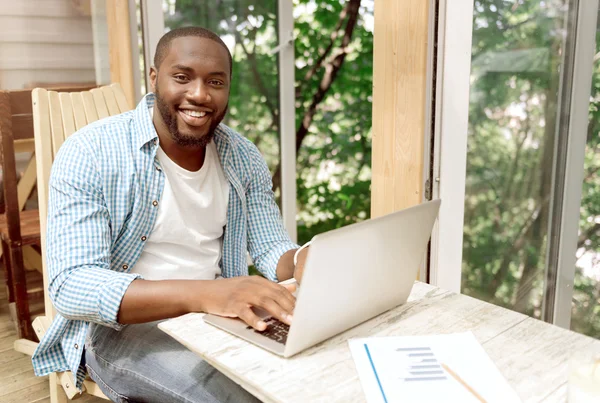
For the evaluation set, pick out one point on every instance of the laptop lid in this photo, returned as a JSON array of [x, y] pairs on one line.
[[359, 271]]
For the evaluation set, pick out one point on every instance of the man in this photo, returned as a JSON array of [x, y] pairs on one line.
[[150, 215]]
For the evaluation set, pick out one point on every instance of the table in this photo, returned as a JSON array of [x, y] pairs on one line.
[[532, 355]]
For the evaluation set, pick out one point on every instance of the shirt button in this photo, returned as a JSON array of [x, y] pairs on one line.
[[155, 141], [76, 346], [143, 238], [155, 203], [125, 267]]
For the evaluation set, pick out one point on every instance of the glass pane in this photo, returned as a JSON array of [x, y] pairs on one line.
[[585, 316], [249, 28], [515, 76], [334, 160]]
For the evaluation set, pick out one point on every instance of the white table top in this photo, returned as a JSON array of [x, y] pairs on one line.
[[532, 355]]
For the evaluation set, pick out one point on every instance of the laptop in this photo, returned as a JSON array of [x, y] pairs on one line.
[[352, 274]]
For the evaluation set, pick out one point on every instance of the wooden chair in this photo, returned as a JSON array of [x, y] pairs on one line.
[[56, 116], [19, 230]]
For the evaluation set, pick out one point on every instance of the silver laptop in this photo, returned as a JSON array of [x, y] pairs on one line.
[[351, 275]]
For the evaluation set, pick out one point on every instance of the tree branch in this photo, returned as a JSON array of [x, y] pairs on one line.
[[516, 245], [251, 57], [323, 56], [332, 69], [585, 235]]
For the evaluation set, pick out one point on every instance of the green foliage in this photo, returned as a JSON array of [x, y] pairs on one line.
[[516, 67], [333, 163]]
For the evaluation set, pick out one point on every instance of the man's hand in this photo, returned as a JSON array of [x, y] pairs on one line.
[[234, 297]]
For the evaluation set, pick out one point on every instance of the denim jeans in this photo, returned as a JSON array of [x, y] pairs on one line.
[[141, 363]]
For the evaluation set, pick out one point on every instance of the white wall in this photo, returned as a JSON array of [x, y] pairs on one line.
[[45, 41]]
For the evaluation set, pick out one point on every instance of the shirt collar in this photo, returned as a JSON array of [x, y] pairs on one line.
[[144, 130]]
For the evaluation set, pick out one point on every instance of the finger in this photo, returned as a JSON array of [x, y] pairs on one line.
[[248, 316], [290, 287], [278, 292], [277, 311], [282, 296]]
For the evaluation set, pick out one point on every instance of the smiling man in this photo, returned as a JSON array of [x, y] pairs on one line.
[[151, 214]]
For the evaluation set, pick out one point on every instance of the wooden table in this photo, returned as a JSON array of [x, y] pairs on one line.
[[532, 355]]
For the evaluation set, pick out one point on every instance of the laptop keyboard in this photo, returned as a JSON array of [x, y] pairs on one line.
[[276, 330]]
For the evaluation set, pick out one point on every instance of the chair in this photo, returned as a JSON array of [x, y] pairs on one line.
[[19, 230], [56, 116]]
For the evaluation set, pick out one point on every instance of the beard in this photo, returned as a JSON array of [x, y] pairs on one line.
[[169, 118]]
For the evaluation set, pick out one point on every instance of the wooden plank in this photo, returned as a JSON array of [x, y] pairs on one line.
[[111, 101], [32, 393], [6, 342], [64, 31], [66, 107], [33, 261], [66, 381], [120, 53], [9, 356], [25, 346], [24, 145], [44, 155], [46, 56], [55, 120], [399, 104], [27, 183], [89, 106], [20, 382], [80, 114], [534, 357], [124, 105], [100, 103], [20, 102], [93, 389], [46, 8], [16, 367], [41, 326], [22, 127]]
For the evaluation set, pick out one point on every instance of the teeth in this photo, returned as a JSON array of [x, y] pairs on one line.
[[194, 114]]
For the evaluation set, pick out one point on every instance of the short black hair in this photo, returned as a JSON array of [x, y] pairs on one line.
[[164, 44]]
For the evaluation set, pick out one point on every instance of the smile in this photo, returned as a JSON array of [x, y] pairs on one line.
[[194, 114], [194, 118]]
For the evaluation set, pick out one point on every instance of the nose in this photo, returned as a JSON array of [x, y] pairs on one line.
[[199, 93]]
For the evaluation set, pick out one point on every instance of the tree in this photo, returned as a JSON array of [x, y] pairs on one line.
[[517, 50], [334, 69]]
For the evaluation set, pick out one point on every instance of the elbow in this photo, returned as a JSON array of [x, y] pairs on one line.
[[63, 305]]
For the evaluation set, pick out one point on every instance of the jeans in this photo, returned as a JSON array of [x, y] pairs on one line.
[[141, 363]]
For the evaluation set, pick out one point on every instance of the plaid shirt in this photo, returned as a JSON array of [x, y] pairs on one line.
[[105, 186]]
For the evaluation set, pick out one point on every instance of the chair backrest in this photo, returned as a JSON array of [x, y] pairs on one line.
[[16, 133], [57, 115]]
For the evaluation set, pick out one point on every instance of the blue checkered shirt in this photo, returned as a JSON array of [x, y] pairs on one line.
[[103, 190]]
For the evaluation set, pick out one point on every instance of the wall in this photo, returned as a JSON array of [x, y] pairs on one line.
[[47, 41]]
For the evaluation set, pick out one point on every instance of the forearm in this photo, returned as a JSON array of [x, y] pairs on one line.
[[147, 301], [285, 266], [91, 294]]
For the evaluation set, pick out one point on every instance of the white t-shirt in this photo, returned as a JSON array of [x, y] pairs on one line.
[[186, 240]]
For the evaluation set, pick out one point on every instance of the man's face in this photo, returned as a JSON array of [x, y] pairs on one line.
[[192, 90]]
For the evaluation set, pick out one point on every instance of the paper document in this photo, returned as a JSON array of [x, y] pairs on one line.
[[441, 368]]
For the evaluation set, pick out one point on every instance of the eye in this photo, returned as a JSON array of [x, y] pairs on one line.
[[180, 77], [216, 82]]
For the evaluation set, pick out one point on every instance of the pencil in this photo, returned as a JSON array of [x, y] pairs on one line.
[[463, 383]]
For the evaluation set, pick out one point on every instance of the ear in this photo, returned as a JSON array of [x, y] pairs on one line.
[[153, 78]]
